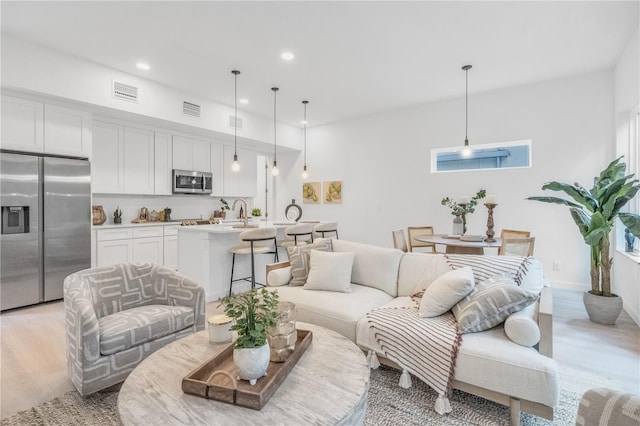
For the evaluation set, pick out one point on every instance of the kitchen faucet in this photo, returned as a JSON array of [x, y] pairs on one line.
[[246, 216]]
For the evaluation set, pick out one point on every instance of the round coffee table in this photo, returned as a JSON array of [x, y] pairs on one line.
[[327, 386]]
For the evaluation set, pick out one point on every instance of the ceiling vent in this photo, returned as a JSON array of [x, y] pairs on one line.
[[125, 91], [190, 109], [235, 122]]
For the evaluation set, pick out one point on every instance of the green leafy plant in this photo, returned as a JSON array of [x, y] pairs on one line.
[[458, 209], [256, 212], [253, 312], [595, 212], [224, 205]]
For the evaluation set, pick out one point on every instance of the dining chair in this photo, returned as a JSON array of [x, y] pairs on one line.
[[420, 231], [399, 241], [517, 246], [512, 233]]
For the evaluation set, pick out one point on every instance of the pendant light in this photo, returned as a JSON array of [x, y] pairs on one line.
[[305, 175], [274, 170], [235, 166], [466, 151]]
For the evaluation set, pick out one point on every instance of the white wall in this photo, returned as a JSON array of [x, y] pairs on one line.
[[384, 162], [626, 270]]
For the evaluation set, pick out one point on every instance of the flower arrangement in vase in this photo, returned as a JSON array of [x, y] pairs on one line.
[[460, 209]]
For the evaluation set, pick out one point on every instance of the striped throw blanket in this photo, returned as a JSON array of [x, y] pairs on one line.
[[424, 347]]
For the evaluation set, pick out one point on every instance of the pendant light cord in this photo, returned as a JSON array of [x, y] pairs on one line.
[[235, 113], [466, 69], [275, 139], [305, 132]]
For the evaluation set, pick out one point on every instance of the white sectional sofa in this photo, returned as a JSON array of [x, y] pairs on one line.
[[489, 364]]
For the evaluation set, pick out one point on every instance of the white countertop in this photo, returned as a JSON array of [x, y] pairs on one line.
[[226, 228], [225, 223]]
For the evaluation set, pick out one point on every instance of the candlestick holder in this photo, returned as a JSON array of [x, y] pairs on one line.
[[490, 232]]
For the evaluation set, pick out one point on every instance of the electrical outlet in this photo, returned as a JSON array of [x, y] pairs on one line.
[[557, 265]]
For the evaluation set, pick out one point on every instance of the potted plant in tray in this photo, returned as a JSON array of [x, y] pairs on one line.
[[253, 312], [595, 212]]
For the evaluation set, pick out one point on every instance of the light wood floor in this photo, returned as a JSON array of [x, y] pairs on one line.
[[33, 364]]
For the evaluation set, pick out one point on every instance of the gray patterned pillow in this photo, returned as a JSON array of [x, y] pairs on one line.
[[299, 259], [490, 303]]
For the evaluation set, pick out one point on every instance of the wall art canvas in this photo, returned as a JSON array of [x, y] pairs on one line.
[[332, 191], [311, 192]]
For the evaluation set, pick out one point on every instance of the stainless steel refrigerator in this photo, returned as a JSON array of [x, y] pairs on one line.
[[46, 226]]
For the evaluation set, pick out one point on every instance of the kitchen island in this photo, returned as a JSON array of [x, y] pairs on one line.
[[205, 258]]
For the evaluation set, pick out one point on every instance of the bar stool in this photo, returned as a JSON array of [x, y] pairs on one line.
[[253, 241], [326, 228], [297, 235]]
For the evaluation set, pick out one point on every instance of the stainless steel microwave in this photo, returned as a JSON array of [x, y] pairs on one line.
[[190, 182]]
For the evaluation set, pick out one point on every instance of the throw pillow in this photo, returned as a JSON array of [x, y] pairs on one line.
[[445, 291], [329, 271], [490, 303], [279, 277], [300, 261], [521, 327]]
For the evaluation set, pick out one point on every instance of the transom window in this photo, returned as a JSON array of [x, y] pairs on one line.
[[502, 155]]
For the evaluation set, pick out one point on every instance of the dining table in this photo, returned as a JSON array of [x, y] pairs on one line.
[[455, 245]]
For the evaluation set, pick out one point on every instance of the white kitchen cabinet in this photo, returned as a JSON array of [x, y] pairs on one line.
[[111, 252], [217, 169], [148, 250], [22, 124], [243, 183], [191, 154], [136, 244], [162, 164], [67, 131], [139, 158], [107, 166], [171, 259]]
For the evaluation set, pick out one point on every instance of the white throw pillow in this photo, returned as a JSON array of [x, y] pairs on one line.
[[329, 271], [445, 291], [522, 327], [279, 277]]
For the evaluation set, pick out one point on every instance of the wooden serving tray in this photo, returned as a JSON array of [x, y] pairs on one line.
[[216, 377]]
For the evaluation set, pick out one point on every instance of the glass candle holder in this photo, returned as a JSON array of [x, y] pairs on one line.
[[283, 336]]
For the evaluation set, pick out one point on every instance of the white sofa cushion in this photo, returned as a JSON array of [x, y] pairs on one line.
[[417, 271], [329, 271], [446, 291], [490, 303], [522, 326], [491, 361], [373, 266], [339, 312]]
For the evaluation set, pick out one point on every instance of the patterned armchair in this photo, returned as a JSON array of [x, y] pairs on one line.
[[118, 315]]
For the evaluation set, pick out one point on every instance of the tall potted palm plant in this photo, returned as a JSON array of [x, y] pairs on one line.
[[595, 212]]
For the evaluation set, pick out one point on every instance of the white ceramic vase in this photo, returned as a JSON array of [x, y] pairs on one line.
[[252, 363]]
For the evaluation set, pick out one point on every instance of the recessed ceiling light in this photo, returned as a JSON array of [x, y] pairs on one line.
[[287, 56], [143, 66], [243, 101]]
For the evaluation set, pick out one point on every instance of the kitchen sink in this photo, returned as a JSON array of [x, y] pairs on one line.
[[245, 226]]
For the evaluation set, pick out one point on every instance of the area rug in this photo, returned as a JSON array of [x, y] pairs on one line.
[[389, 405]]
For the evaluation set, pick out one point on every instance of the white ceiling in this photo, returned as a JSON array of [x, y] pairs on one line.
[[352, 58]]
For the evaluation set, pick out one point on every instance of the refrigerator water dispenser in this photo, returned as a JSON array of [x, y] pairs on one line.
[[15, 219]]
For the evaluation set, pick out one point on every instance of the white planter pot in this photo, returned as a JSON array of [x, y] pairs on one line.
[[603, 310], [252, 363]]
